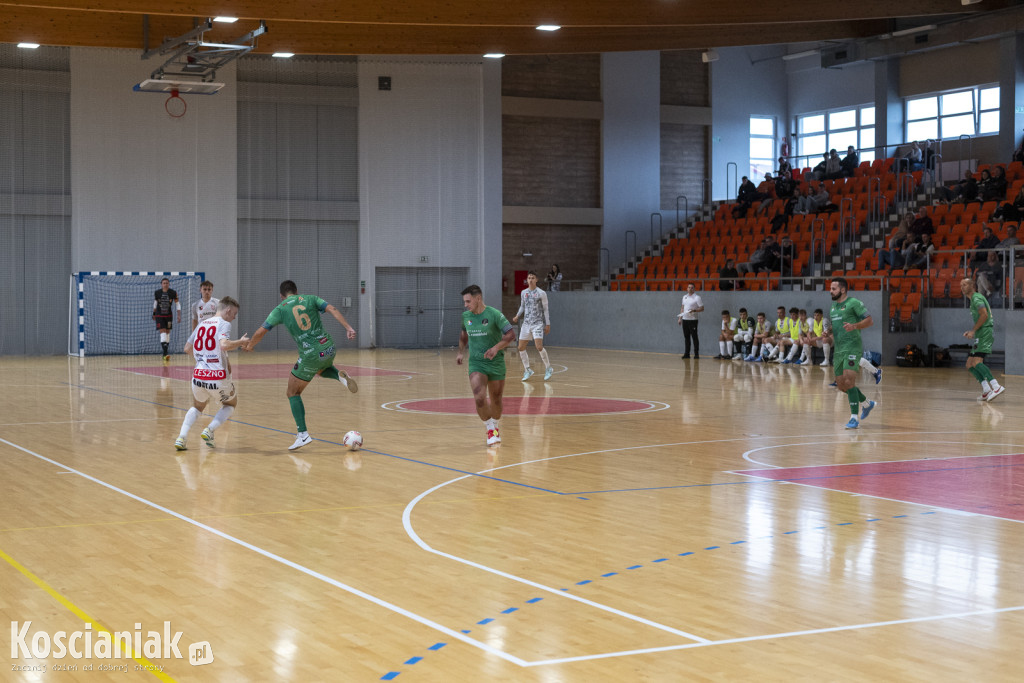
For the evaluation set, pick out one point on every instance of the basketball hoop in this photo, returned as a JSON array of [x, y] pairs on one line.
[[175, 105]]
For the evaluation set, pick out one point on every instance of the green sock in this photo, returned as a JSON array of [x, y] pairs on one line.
[[860, 394], [975, 373], [298, 412], [855, 397], [331, 373], [984, 372]]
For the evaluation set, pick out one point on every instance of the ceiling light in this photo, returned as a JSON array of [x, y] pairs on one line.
[[548, 27], [29, 46], [226, 20], [283, 55], [800, 55], [494, 55], [912, 31]]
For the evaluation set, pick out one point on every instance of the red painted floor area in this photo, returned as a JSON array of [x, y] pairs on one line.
[[257, 371], [989, 485], [528, 405]]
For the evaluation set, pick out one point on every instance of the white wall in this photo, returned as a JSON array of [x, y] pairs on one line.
[[745, 82], [816, 89], [630, 147], [150, 192], [421, 160]]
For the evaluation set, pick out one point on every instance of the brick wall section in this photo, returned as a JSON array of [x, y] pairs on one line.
[[684, 79], [560, 77], [551, 162], [574, 248], [684, 165]]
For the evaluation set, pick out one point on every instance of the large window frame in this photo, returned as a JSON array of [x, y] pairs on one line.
[[950, 114], [762, 147], [820, 131]]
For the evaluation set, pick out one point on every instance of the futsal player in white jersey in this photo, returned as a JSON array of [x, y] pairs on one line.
[[206, 307], [210, 343], [533, 307]]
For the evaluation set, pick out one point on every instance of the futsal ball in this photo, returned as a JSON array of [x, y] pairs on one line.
[[353, 440]]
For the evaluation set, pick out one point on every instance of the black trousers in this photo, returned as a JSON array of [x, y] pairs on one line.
[[690, 332]]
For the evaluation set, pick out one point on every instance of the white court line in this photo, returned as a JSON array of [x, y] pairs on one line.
[[407, 523], [746, 454], [652, 406], [77, 422], [773, 636], [288, 563]]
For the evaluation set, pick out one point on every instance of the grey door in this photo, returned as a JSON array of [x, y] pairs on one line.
[[419, 307]]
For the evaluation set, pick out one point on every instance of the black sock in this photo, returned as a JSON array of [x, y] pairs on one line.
[[163, 345]]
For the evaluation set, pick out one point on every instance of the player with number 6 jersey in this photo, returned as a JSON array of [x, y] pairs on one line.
[[209, 343], [300, 314]]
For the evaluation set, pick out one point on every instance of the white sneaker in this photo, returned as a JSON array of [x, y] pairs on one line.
[[738, 356], [492, 437], [824, 363], [347, 380], [995, 392], [179, 443], [528, 374], [301, 440], [548, 373], [207, 436]]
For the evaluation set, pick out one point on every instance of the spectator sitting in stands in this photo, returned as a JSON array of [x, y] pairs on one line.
[[746, 196], [989, 275], [966, 190], [774, 253], [850, 162], [996, 188], [727, 277], [781, 219], [922, 225], [782, 188], [916, 255], [758, 260], [819, 171], [893, 256], [913, 160], [784, 167], [804, 202], [1011, 238], [931, 157], [1010, 211], [821, 201], [988, 240], [833, 166], [983, 185]]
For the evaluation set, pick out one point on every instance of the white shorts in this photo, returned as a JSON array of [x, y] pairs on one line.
[[528, 332], [744, 335], [218, 390]]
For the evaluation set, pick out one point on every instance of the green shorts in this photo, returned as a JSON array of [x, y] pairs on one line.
[[983, 339], [494, 369], [308, 367], [847, 358]]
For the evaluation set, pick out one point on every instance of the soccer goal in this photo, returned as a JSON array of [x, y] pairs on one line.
[[112, 311]]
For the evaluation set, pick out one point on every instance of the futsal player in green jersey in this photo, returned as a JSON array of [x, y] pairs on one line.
[[300, 314], [848, 317], [982, 333], [486, 332]]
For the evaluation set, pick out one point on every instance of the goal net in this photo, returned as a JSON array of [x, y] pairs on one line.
[[112, 312]]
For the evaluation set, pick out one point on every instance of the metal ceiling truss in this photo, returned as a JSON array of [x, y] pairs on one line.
[[194, 58]]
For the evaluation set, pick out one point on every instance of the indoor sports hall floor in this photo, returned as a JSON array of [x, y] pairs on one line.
[[644, 519]]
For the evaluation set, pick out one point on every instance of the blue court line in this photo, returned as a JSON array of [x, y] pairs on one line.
[[333, 443]]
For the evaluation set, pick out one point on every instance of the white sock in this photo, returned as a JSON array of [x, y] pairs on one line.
[[490, 423], [526, 359], [190, 419], [827, 348], [221, 417], [792, 351], [986, 386], [806, 355], [543, 353], [866, 364], [164, 337], [729, 348], [754, 350], [721, 348], [994, 384]]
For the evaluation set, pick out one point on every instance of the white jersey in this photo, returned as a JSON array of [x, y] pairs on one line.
[[211, 359], [535, 304], [201, 311]]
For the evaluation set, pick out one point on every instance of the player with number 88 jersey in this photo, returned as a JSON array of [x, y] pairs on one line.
[[209, 343]]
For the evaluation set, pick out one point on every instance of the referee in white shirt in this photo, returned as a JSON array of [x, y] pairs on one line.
[[692, 305]]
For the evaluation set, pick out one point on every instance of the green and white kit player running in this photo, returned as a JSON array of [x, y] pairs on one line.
[[982, 334], [486, 332], [300, 314], [849, 317]]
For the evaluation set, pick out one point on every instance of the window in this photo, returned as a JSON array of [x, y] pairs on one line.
[[835, 129], [972, 111], [762, 147]]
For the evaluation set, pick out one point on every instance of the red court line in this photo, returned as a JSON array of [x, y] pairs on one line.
[[989, 485], [257, 371], [529, 405]]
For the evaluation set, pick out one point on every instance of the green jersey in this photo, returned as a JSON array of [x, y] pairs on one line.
[[300, 314], [849, 311], [984, 336], [485, 329]]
